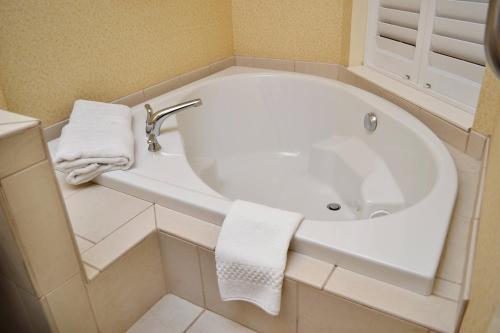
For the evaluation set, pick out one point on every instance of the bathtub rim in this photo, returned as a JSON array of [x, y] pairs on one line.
[[415, 276]]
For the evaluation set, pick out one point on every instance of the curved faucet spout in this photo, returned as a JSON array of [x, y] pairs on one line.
[[155, 119]]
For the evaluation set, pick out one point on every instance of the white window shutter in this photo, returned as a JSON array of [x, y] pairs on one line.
[[435, 46], [392, 45], [455, 61]]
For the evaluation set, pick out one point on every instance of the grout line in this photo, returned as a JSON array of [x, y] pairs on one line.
[[328, 277], [482, 180], [466, 146], [84, 238], [122, 253], [124, 224], [297, 307], [448, 280], [201, 277], [91, 265], [156, 219], [162, 259], [194, 321], [86, 285], [60, 285]]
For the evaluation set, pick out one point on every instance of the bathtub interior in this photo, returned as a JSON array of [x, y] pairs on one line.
[[298, 143]]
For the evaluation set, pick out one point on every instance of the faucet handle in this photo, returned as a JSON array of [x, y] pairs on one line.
[[149, 110], [149, 116]]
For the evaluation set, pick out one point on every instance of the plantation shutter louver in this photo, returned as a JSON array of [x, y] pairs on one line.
[[435, 46], [455, 60], [395, 42]]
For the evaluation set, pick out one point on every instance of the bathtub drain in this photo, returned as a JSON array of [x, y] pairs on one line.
[[333, 206]]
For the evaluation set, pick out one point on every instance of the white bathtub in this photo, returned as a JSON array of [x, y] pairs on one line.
[[297, 142]]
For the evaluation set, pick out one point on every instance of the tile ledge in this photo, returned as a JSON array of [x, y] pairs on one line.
[[89, 261], [188, 228], [433, 312], [446, 111], [299, 268], [12, 129]]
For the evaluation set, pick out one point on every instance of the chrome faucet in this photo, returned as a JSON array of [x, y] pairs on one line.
[[154, 120]]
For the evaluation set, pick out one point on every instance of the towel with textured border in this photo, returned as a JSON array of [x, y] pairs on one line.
[[98, 138], [251, 254]]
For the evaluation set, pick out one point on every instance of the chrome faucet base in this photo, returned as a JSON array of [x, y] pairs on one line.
[[153, 144]]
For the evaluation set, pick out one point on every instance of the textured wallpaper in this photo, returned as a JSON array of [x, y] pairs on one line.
[[53, 52], [313, 30], [3, 102], [489, 104]]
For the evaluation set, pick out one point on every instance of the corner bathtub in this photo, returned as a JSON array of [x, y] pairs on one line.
[[297, 142]]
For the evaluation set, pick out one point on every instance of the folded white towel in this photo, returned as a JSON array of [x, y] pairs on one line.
[[98, 138], [251, 254]]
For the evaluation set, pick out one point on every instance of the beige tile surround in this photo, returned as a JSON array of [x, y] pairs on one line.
[[41, 280], [124, 291], [186, 245], [114, 273], [193, 240]]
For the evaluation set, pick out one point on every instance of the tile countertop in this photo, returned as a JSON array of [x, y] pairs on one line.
[[14, 122], [103, 235]]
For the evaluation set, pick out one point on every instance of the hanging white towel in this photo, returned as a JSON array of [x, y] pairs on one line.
[[251, 254], [98, 138]]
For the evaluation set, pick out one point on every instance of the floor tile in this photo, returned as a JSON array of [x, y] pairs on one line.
[[171, 314], [96, 211], [210, 322], [148, 324]]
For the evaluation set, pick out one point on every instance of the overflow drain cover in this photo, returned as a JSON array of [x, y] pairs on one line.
[[333, 206]]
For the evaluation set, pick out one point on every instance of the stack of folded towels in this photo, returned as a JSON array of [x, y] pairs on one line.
[[98, 138]]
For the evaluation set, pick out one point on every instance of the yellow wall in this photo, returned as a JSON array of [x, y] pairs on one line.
[[313, 30], [485, 292], [3, 102], [489, 104], [53, 52]]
